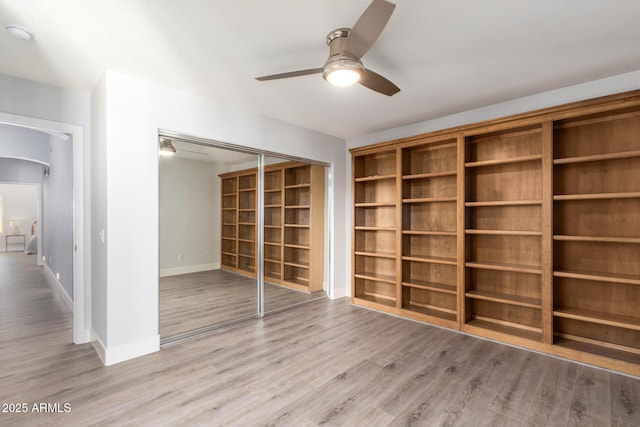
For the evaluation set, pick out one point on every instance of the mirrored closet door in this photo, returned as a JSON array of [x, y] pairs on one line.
[[208, 238], [294, 232]]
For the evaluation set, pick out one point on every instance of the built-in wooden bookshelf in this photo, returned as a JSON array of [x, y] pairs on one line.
[[239, 230], [429, 230], [375, 261], [294, 194], [524, 229], [303, 226], [503, 277], [596, 236], [273, 224]]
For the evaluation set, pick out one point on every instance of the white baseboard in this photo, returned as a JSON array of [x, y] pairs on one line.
[[51, 278], [189, 269], [339, 293], [98, 346], [110, 355]]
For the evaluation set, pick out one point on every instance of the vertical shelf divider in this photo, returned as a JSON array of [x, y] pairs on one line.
[[547, 233], [399, 222], [461, 226]]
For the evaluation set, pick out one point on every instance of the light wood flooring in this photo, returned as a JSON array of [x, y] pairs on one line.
[[323, 363], [192, 301]]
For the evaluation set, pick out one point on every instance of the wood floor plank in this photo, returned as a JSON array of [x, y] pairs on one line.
[[590, 403], [625, 399], [552, 399], [514, 397]]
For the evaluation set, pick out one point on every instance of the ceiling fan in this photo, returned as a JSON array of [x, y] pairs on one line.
[[346, 48]]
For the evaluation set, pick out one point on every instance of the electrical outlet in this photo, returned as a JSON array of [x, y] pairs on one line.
[[180, 257]]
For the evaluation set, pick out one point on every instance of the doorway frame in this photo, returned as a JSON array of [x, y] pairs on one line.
[[81, 245], [329, 269]]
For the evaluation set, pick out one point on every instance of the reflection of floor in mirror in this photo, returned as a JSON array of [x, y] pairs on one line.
[[196, 300]]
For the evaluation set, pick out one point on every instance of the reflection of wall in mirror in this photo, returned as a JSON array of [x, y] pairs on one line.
[[189, 215]]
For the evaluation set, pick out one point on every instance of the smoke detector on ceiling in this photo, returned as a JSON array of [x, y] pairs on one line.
[[18, 32]]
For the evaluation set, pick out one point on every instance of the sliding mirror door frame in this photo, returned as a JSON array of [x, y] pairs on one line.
[[261, 154]]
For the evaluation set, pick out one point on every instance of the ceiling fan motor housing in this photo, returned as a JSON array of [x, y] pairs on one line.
[[339, 59]]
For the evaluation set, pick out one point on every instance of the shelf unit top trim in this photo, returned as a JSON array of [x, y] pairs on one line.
[[558, 112]]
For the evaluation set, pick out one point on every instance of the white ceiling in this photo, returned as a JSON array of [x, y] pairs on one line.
[[446, 56]]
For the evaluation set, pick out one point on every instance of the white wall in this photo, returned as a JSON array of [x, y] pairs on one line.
[[99, 243], [607, 86], [189, 215], [22, 143], [12, 170], [133, 111], [20, 202], [57, 194]]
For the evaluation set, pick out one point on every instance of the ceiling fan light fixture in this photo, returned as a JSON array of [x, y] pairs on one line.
[[343, 72], [166, 147]]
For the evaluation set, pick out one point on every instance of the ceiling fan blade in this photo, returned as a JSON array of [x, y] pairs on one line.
[[290, 74], [375, 81], [368, 28]]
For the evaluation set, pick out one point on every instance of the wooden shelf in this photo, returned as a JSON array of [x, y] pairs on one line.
[[516, 268], [505, 298], [599, 277], [375, 178], [298, 207], [599, 239], [296, 264], [274, 261], [618, 321], [429, 175], [272, 206], [239, 191], [508, 328], [272, 243], [503, 203], [288, 245], [505, 161], [272, 226], [432, 260], [503, 232], [597, 157], [374, 205], [300, 281], [431, 310], [376, 299], [599, 196], [389, 255], [599, 348], [430, 286], [273, 190], [376, 277], [363, 228], [430, 200], [429, 233], [304, 185]]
